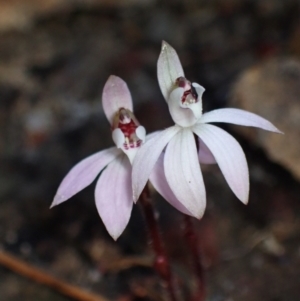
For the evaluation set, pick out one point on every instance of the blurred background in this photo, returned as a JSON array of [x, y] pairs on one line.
[[55, 56]]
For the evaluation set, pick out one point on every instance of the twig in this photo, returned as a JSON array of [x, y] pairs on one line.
[[192, 242], [126, 263], [161, 263], [39, 276]]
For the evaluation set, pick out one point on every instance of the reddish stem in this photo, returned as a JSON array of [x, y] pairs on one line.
[[161, 262], [192, 242]]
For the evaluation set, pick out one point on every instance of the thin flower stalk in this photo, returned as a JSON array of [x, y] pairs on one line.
[[192, 242], [161, 261]]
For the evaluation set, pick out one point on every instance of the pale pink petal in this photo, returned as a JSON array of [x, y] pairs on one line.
[[229, 156], [115, 95], [113, 196], [205, 155], [83, 174], [147, 156], [183, 173], [168, 69], [159, 181], [240, 117], [181, 116]]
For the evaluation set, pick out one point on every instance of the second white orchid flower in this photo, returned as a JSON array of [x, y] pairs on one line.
[[181, 156]]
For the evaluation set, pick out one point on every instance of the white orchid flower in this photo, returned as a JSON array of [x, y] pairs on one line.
[[177, 143], [113, 193]]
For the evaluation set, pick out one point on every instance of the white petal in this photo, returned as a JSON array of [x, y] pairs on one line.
[[118, 137], [159, 181], [113, 196], [141, 133], [83, 174], [182, 170], [205, 155], [115, 95], [181, 116], [168, 69], [199, 89], [229, 156], [146, 157], [240, 117]]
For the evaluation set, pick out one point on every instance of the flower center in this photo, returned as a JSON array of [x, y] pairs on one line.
[[190, 95], [127, 123]]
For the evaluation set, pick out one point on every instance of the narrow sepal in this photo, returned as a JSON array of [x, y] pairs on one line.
[[115, 96], [168, 69], [159, 181], [146, 158], [240, 117], [113, 196], [205, 155], [183, 173], [229, 156], [83, 174]]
